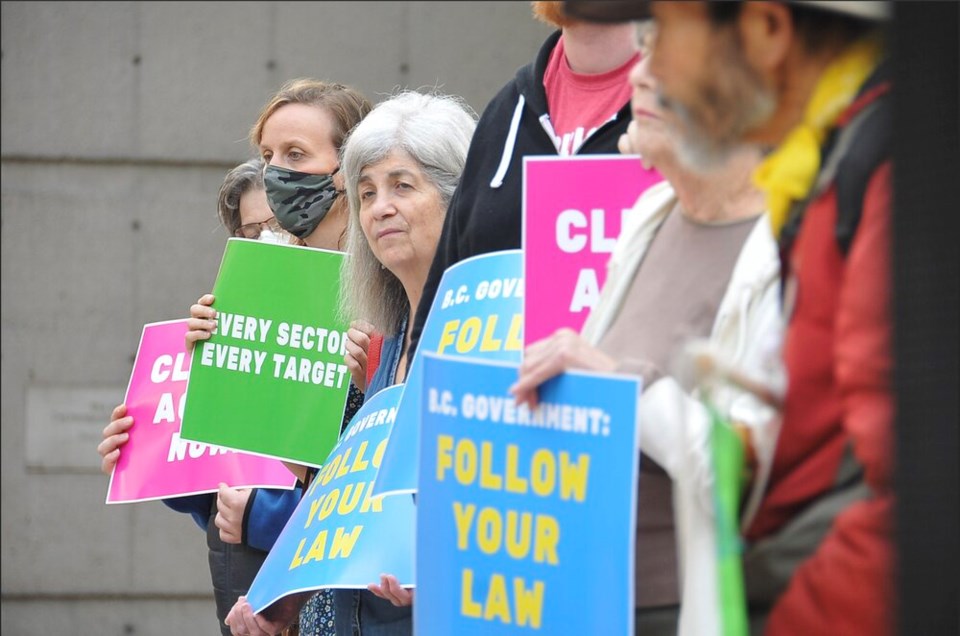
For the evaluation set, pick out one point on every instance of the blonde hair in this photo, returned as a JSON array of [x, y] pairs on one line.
[[345, 104]]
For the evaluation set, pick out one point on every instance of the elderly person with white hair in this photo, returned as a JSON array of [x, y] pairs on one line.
[[401, 168]]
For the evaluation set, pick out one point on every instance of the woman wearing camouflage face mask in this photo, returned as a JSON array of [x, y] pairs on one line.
[[298, 136]]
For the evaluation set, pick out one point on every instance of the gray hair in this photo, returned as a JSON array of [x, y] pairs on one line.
[[247, 176], [433, 129]]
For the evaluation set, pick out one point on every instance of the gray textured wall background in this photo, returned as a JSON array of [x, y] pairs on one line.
[[119, 121]]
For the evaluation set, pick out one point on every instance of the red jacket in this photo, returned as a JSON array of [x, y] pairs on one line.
[[838, 356]]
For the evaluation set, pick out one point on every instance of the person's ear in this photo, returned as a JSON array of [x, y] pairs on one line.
[[766, 33]]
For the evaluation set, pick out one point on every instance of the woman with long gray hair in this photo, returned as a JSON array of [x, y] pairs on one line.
[[401, 166]]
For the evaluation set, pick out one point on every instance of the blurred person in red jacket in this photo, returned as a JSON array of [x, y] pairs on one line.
[[809, 83]]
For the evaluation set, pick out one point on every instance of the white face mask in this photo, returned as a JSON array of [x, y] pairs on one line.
[[280, 238]]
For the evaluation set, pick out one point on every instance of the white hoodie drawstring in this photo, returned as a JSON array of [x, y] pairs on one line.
[[497, 180], [547, 125]]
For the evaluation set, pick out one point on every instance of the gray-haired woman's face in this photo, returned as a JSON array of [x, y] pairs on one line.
[[401, 214], [254, 207]]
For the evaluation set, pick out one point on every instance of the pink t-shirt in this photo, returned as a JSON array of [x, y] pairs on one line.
[[579, 104]]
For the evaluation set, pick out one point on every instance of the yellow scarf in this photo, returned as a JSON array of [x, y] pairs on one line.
[[788, 173]]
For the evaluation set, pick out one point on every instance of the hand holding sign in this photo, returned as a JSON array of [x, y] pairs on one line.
[[202, 322], [242, 620], [357, 346], [231, 505], [391, 590], [565, 350], [115, 435]]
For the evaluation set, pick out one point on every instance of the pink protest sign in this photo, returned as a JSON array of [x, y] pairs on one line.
[[155, 463], [573, 209]]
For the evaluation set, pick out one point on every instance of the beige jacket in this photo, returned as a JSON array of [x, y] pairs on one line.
[[674, 425]]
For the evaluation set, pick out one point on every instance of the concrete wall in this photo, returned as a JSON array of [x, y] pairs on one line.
[[119, 121]]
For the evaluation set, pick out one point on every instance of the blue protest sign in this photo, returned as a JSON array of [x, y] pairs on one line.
[[477, 312], [340, 536], [526, 518]]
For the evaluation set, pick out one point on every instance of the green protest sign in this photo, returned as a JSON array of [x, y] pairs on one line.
[[271, 380]]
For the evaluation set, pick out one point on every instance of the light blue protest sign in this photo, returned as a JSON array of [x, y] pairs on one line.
[[526, 518], [477, 312], [340, 536]]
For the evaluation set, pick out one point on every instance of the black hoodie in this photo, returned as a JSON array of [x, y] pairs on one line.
[[486, 212]]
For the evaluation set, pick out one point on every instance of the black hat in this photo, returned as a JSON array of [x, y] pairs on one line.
[[607, 10], [627, 10]]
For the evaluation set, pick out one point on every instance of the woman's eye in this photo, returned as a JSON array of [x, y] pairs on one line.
[[404, 186], [266, 156], [366, 195], [295, 155]]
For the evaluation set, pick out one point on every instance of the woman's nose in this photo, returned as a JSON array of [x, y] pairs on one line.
[[383, 207], [640, 76]]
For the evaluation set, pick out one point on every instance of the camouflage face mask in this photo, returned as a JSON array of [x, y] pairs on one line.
[[299, 200]]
